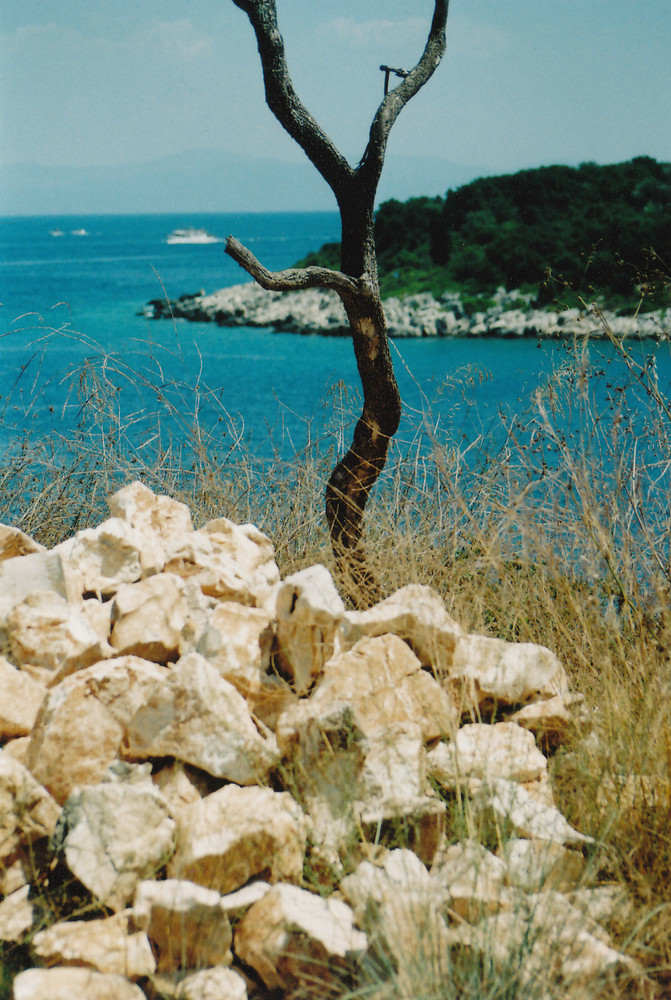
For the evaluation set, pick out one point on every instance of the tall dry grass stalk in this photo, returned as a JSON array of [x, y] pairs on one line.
[[551, 525]]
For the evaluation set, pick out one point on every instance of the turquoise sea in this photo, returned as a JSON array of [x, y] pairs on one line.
[[72, 290]]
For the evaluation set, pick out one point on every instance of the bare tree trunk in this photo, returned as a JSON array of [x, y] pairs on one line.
[[357, 282]]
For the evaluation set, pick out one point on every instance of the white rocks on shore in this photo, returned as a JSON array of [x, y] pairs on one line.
[[320, 311]]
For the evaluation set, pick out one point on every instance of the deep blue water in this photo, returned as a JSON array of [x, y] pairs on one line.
[[70, 297]]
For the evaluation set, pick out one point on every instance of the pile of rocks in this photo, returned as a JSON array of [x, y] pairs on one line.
[[189, 741], [317, 310]]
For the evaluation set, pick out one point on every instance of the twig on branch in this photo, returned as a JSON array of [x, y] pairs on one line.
[[294, 277]]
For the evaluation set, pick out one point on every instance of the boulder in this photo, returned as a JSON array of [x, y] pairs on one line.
[[45, 631], [20, 703], [39, 571], [208, 984], [293, 938], [414, 613], [17, 914], [502, 750], [148, 618], [237, 834], [150, 514], [115, 834], [474, 880], [509, 803], [308, 609], [68, 984], [193, 714], [537, 865], [27, 810], [185, 922], [176, 786], [485, 671], [236, 640], [383, 682], [103, 558], [82, 721], [228, 561], [106, 945], [554, 720], [14, 543]]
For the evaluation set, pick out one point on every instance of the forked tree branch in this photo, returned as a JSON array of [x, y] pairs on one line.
[[294, 277]]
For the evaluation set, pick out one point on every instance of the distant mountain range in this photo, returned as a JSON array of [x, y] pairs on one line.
[[206, 181]]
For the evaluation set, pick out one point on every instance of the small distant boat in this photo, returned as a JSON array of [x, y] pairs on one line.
[[79, 232], [191, 235], [57, 232]]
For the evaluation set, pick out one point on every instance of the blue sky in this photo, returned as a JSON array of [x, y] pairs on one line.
[[524, 82]]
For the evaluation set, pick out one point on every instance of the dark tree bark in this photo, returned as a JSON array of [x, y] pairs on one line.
[[357, 281]]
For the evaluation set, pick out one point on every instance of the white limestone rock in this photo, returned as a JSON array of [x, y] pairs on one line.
[[46, 631], [510, 803], [185, 922], [39, 571], [208, 984], [73, 984], [237, 639], [15, 543], [553, 720], [150, 513], [17, 914], [309, 609], [229, 562], [475, 880], [238, 834], [103, 558], [107, 945], [81, 724], [27, 810], [195, 715], [416, 614], [148, 618], [486, 670], [538, 865], [486, 752], [20, 702], [293, 938], [114, 835]]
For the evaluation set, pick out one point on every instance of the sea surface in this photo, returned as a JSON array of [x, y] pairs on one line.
[[72, 291]]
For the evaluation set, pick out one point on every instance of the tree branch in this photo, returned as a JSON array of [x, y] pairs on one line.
[[283, 100], [294, 277], [393, 103]]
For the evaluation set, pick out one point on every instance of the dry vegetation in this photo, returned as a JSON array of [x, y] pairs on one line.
[[554, 529]]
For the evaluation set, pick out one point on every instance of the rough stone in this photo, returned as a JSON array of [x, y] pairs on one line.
[[414, 613], [554, 720], [45, 631], [103, 558], [20, 703], [228, 561], [309, 609], [194, 714], [17, 914], [293, 938], [474, 879], [27, 811], [185, 922], [502, 750], [512, 804], [148, 618], [208, 984], [237, 834], [536, 865], [15, 543], [150, 513], [82, 721], [176, 786], [237, 640], [106, 945], [114, 835], [39, 571], [73, 984], [486, 670]]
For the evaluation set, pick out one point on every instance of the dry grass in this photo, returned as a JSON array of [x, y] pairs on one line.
[[553, 529]]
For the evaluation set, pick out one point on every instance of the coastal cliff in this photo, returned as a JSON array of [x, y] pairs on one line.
[[319, 311]]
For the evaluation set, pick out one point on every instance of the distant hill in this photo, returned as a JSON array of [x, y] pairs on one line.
[[593, 229]]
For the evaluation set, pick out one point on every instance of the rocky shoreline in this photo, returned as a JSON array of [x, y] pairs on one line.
[[320, 311]]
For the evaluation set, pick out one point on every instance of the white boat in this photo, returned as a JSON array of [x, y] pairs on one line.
[[57, 232], [191, 235], [79, 232]]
